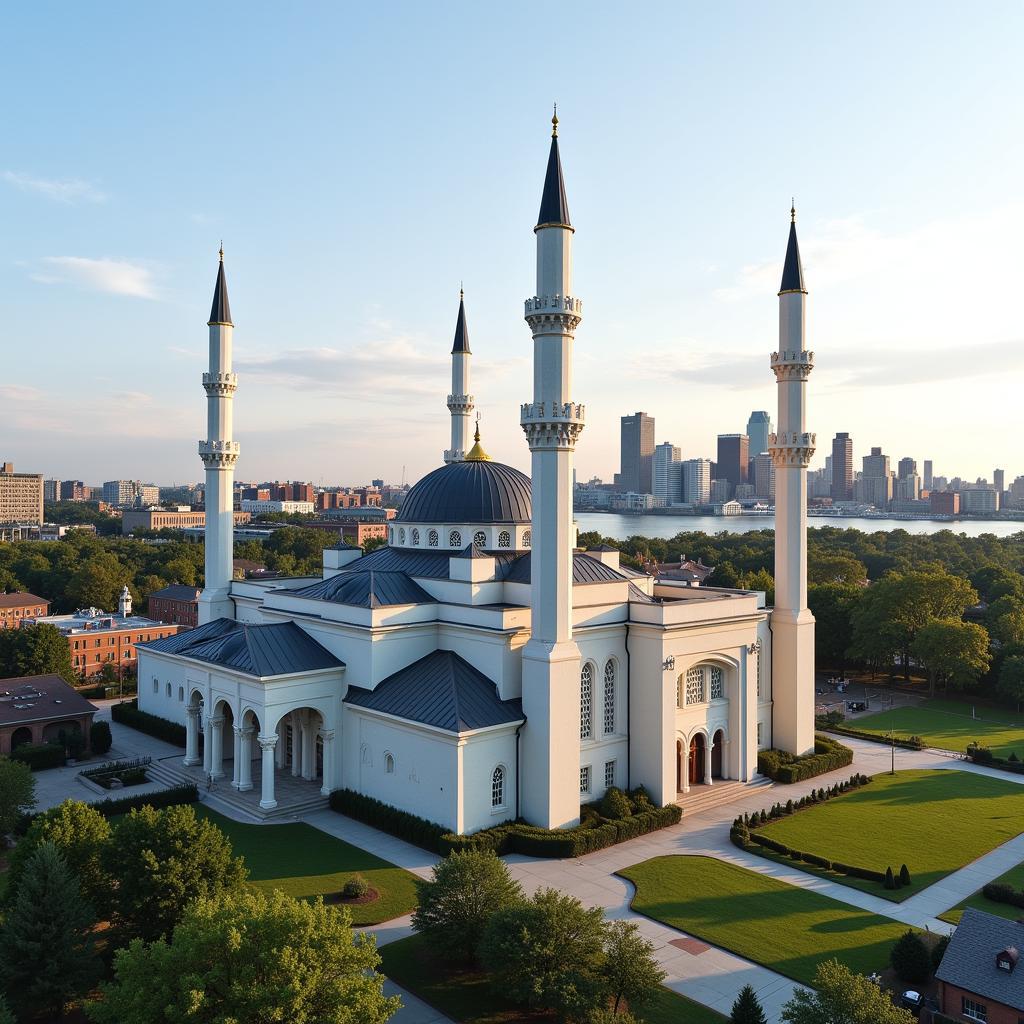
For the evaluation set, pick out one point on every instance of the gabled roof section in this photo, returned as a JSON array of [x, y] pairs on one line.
[[636, 594], [365, 590], [177, 592], [441, 690], [970, 958], [554, 207], [461, 342], [177, 643], [792, 269], [220, 313], [584, 570], [471, 551], [431, 565]]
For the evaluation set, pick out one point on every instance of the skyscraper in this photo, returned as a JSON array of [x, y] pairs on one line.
[[697, 481], [999, 480], [636, 452], [906, 467], [759, 426], [733, 462], [842, 468], [928, 474], [666, 474], [876, 479], [764, 476]]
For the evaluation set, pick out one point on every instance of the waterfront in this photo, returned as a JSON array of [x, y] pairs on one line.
[[610, 524]]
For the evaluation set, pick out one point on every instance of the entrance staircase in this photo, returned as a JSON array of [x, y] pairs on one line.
[[721, 791]]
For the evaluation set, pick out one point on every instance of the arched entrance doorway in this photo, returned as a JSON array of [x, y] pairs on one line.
[[716, 754], [21, 736], [696, 765]]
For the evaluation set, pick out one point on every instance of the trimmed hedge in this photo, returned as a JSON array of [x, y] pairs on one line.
[[982, 755], [39, 756], [787, 768], [1002, 892], [186, 793], [593, 833], [906, 742], [129, 714]]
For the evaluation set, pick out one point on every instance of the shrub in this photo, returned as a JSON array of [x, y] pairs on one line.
[[906, 742], [39, 756], [99, 737], [355, 888], [128, 713], [1001, 892], [615, 804], [1013, 758], [890, 881], [641, 799], [409, 827], [784, 767], [910, 958], [904, 875], [938, 951]]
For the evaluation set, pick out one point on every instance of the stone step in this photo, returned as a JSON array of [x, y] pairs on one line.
[[703, 798]]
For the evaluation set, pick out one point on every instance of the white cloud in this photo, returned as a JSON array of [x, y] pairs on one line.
[[115, 276], [72, 190], [19, 393]]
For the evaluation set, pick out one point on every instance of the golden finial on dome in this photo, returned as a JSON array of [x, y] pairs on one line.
[[792, 210], [476, 453], [554, 123]]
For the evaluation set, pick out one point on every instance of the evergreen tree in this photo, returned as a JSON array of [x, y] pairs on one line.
[[747, 1009], [46, 954], [910, 958], [17, 789]]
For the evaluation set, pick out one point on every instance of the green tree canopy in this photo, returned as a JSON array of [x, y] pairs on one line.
[[842, 997], [631, 972], [747, 1009], [842, 570], [833, 605], [1011, 679], [954, 652], [254, 957], [36, 650], [17, 791]]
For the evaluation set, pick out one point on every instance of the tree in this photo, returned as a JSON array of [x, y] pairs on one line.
[[97, 582], [6, 1017], [46, 954], [36, 650], [1005, 619], [249, 956], [1011, 679], [455, 905], [165, 859], [953, 651], [547, 952], [17, 791], [843, 997], [630, 969], [841, 570], [100, 739], [746, 1009], [833, 605], [760, 579], [910, 958], [81, 835]]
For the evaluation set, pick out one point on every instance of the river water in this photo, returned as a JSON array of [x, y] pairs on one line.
[[610, 524]]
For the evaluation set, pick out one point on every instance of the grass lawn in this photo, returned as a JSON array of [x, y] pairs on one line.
[[933, 821], [948, 724], [787, 929], [1014, 877], [305, 862], [466, 995]]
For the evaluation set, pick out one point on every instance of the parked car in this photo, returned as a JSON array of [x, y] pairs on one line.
[[853, 706]]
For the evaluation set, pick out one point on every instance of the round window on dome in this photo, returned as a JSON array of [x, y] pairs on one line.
[[480, 539]]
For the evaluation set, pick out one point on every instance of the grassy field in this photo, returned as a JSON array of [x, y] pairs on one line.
[[466, 995], [305, 862], [788, 929], [1014, 877], [933, 821], [948, 724]]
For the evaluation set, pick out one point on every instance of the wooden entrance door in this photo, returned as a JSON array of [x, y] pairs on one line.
[[697, 759], [716, 755]]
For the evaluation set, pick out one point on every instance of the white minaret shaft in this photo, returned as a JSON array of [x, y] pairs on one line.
[[552, 422], [791, 450], [460, 401], [219, 454]]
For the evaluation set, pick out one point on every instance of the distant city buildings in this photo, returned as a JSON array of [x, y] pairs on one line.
[[130, 493], [179, 518], [875, 484], [263, 506], [21, 497], [759, 426], [842, 468], [733, 462], [666, 474], [636, 453], [764, 477], [696, 477], [928, 474]]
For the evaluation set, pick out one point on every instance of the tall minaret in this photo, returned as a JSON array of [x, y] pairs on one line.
[[791, 450], [460, 401], [219, 454], [552, 422]]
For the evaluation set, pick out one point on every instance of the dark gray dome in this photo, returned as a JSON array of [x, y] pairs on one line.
[[469, 492]]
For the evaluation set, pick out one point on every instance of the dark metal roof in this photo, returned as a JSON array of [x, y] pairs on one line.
[[441, 690], [554, 207], [970, 958], [469, 492], [40, 698], [177, 592], [365, 590], [431, 565], [792, 269], [257, 649], [220, 313], [461, 343], [471, 551], [636, 594], [584, 570]]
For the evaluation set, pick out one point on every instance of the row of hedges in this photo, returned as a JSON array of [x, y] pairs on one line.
[[129, 714], [594, 833], [982, 755], [116, 767], [784, 767], [1002, 892], [39, 756], [907, 742], [186, 793]]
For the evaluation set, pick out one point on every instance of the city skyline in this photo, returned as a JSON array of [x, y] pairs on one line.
[[345, 268]]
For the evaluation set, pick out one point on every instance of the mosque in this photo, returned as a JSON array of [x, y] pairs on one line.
[[480, 667]]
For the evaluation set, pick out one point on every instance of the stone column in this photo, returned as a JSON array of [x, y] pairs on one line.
[[707, 762], [245, 759], [236, 765], [296, 723], [267, 744], [207, 747], [191, 737], [327, 735], [217, 755], [308, 750], [685, 755]]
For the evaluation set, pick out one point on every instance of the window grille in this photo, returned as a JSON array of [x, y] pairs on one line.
[[586, 701], [717, 683], [695, 686], [585, 779], [455, 539], [498, 787], [609, 697]]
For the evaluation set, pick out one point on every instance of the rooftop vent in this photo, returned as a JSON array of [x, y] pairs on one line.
[[1006, 959]]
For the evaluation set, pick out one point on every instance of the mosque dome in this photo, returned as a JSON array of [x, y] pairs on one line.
[[474, 491]]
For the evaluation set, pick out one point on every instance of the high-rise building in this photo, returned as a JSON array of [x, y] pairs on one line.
[[876, 479], [908, 483], [733, 462], [666, 474], [51, 490], [906, 467], [759, 426], [764, 476], [999, 480], [842, 467], [636, 453], [721, 490], [928, 474], [697, 481], [74, 490], [21, 496], [124, 493]]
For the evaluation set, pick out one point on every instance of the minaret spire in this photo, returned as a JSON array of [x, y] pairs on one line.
[[552, 422], [219, 453], [460, 401], [791, 450]]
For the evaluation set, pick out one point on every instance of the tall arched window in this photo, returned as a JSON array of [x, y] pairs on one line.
[[480, 539], [416, 537], [432, 539], [717, 683], [498, 786], [504, 539], [389, 764], [587, 702], [455, 539], [401, 536], [695, 685], [609, 697], [527, 536]]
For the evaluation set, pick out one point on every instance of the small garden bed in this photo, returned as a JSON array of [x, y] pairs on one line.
[[118, 774], [992, 898], [829, 755]]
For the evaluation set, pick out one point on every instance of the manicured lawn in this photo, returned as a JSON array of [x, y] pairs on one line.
[[787, 929], [948, 724], [305, 862], [466, 995], [934, 821], [1014, 877]]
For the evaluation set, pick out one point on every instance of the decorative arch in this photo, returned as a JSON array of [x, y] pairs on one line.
[[414, 537], [389, 763], [480, 539], [455, 539], [498, 783], [432, 539], [611, 672], [504, 539], [587, 673], [312, 705], [527, 538]]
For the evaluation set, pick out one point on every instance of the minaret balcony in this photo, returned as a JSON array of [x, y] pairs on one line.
[[552, 424], [219, 453], [220, 383], [792, 365], [791, 449], [557, 312], [460, 403]]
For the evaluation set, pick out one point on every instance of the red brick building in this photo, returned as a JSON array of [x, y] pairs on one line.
[[177, 603], [945, 503], [34, 709], [16, 607]]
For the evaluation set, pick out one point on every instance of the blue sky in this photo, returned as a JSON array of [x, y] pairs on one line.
[[360, 161]]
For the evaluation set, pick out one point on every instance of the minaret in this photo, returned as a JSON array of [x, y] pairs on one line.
[[219, 454], [552, 422], [460, 401], [791, 450]]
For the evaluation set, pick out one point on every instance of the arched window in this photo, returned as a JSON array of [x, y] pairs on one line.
[[168, 689], [181, 693], [695, 685], [480, 539], [401, 536], [415, 537], [609, 697], [389, 764], [391, 535], [526, 538], [432, 539], [586, 702], [156, 685], [717, 683], [455, 539], [498, 786], [504, 539]]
